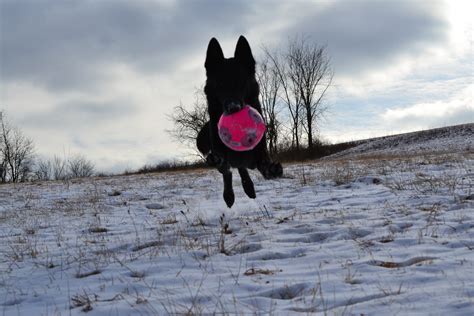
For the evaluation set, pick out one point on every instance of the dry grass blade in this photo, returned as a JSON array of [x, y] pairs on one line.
[[254, 271], [406, 263]]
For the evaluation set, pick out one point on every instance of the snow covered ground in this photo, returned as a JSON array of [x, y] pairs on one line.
[[381, 234], [444, 139]]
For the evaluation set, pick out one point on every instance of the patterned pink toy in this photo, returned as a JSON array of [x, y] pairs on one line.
[[242, 130]]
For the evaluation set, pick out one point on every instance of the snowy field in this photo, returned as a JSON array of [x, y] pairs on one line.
[[382, 234]]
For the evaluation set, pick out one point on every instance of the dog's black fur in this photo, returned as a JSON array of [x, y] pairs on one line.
[[230, 85]]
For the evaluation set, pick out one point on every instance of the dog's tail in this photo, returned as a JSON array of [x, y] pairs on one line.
[[203, 140]]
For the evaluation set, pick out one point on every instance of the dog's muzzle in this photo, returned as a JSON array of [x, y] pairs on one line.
[[232, 107]]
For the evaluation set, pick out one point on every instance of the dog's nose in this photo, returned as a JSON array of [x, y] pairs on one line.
[[233, 107]]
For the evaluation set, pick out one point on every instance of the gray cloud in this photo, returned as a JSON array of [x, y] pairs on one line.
[[79, 114], [366, 35], [459, 115], [65, 45]]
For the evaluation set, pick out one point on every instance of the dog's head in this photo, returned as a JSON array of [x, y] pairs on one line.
[[230, 81]]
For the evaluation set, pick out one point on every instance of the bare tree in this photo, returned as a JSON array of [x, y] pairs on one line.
[[16, 152], [3, 166], [188, 123], [311, 75], [289, 92], [269, 83], [80, 167], [305, 74]]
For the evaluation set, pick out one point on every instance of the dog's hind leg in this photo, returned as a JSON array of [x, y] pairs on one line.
[[229, 197], [247, 183]]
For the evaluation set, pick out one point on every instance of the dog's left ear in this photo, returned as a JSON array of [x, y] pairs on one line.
[[243, 54]]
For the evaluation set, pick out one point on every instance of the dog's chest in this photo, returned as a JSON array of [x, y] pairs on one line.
[[241, 159]]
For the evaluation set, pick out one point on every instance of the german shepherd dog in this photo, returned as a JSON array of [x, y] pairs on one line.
[[231, 85]]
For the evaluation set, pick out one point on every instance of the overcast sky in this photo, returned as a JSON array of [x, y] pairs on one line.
[[98, 77]]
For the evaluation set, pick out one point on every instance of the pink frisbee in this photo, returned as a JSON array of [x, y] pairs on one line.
[[243, 130]]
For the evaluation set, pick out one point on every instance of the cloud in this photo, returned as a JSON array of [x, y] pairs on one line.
[[363, 36], [456, 110], [64, 45], [78, 115], [71, 45]]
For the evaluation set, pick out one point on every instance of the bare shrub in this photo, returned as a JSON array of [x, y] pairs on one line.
[[44, 170], [188, 123], [80, 167], [340, 173], [59, 170]]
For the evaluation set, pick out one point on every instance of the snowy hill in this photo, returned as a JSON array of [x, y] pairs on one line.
[[458, 138], [379, 233]]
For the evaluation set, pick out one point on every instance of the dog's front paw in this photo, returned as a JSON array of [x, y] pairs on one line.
[[229, 197], [272, 170], [275, 170], [249, 189]]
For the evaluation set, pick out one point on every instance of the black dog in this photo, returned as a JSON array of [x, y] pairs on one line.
[[230, 85]]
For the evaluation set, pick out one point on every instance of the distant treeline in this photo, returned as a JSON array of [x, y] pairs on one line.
[[289, 154], [19, 163]]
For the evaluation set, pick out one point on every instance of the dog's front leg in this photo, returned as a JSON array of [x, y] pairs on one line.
[[229, 197], [247, 183], [270, 169]]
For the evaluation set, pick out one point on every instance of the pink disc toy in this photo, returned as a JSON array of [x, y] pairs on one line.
[[243, 130]]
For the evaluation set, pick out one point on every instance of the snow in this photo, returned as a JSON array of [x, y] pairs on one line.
[[389, 234], [444, 139]]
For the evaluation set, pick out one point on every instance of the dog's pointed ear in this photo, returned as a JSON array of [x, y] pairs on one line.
[[243, 54], [214, 54]]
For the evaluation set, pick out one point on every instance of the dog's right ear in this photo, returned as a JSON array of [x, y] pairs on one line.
[[214, 54]]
